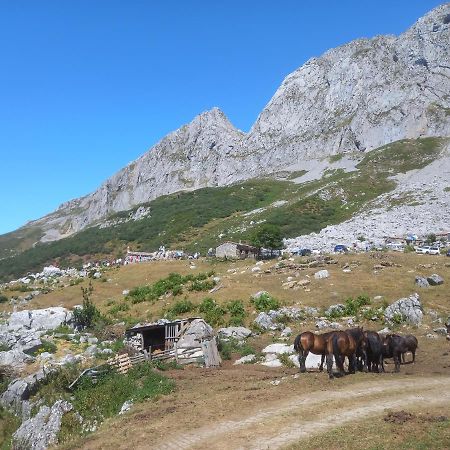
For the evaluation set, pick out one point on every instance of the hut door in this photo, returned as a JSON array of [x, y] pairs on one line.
[[171, 334]]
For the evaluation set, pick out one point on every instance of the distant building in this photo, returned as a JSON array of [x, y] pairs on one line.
[[234, 250]]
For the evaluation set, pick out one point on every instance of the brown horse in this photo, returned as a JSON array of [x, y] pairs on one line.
[[309, 342], [340, 345]]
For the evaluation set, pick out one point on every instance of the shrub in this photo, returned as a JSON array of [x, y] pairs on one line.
[[120, 307], [284, 359], [3, 298], [226, 348], [265, 302], [398, 318], [213, 313], [199, 286], [237, 312], [182, 307], [86, 316]]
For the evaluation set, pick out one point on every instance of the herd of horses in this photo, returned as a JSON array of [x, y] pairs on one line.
[[365, 350]]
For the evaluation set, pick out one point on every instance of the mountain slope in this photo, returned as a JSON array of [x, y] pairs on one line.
[[354, 98]]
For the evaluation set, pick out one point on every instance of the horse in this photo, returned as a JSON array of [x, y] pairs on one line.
[[361, 347], [412, 344], [340, 345], [374, 351], [394, 346], [307, 342]]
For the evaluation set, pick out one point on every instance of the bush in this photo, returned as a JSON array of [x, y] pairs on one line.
[[3, 298], [226, 348], [265, 302], [284, 359], [351, 307], [182, 307], [237, 312], [120, 307], [212, 312], [86, 316]]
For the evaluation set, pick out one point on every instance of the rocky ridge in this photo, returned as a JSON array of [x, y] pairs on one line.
[[356, 97]]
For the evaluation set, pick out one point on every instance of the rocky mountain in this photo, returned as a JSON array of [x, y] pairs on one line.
[[354, 98]]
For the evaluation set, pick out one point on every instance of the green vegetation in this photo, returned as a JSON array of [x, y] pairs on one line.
[[351, 307], [237, 313], [212, 312], [88, 314], [182, 307], [268, 236], [335, 158], [46, 347], [284, 359], [296, 174], [227, 348], [96, 401], [3, 298], [8, 425], [172, 284], [265, 302]]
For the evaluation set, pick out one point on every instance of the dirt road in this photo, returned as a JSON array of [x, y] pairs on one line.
[[286, 422]]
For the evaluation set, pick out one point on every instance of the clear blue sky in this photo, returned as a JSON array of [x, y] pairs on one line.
[[86, 86]]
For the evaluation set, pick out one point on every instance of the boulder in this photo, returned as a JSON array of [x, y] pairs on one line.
[[271, 360], [238, 333], [422, 282], [312, 361], [20, 389], [245, 360], [409, 309], [286, 332], [290, 312], [264, 321], [197, 331], [311, 311], [321, 324], [441, 330], [278, 349], [126, 407], [337, 309], [14, 361], [41, 431], [321, 274], [39, 319], [435, 280]]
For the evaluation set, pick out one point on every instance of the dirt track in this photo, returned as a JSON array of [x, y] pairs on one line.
[[301, 417]]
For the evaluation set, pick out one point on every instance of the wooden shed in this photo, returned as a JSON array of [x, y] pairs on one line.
[[189, 340], [233, 250]]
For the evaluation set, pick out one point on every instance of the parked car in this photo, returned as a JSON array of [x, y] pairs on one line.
[[340, 249], [395, 247], [304, 252], [428, 250], [448, 252]]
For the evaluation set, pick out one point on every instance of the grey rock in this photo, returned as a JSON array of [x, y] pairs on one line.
[[408, 308], [289, 312], [321, 274], [286, 332], [197, 331], [238, 333], [92, 350], [264, 321], [126, 407], [435, 280], [441, 330], [41, 431], [259, 294], [245, 360], [338, 308], [422, 282], [321, 324], [14, 360], [92, 340], [311, 311]]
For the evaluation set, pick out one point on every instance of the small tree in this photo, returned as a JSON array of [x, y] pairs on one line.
[[431, 238], [268, 236], [86, 316]]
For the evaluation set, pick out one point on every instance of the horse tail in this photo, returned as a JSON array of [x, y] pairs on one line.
[[334, 343], [297, 343]]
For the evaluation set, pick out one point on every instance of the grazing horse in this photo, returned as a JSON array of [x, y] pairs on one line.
[[374, 351], [394, 346], [340, 345], [361, 346], [308, 342]]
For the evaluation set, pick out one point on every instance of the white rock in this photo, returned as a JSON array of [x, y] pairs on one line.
[[321, 274]]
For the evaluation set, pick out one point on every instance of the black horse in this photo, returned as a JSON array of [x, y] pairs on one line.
[[374, 351], [394, 346]]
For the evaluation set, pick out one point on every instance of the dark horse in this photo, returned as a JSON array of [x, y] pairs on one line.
[[341, 344], [361, 347], [310, 342], [394, 346], [374, 351]]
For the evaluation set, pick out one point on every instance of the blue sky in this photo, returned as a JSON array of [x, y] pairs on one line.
[[87, 86]]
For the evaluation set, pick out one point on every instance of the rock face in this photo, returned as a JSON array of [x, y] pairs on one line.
[[41, 431], [238, 333], [408, 309], [356, 97]]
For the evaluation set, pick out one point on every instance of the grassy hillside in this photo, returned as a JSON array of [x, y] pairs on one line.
[[198, 220]]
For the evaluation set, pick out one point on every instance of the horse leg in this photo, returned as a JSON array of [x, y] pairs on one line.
[[352, 363], [414, 356], [321, 363], [330, 365], [302, 359], [397, 358]]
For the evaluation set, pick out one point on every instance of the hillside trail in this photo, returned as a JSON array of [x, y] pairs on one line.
[[282, 423]]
